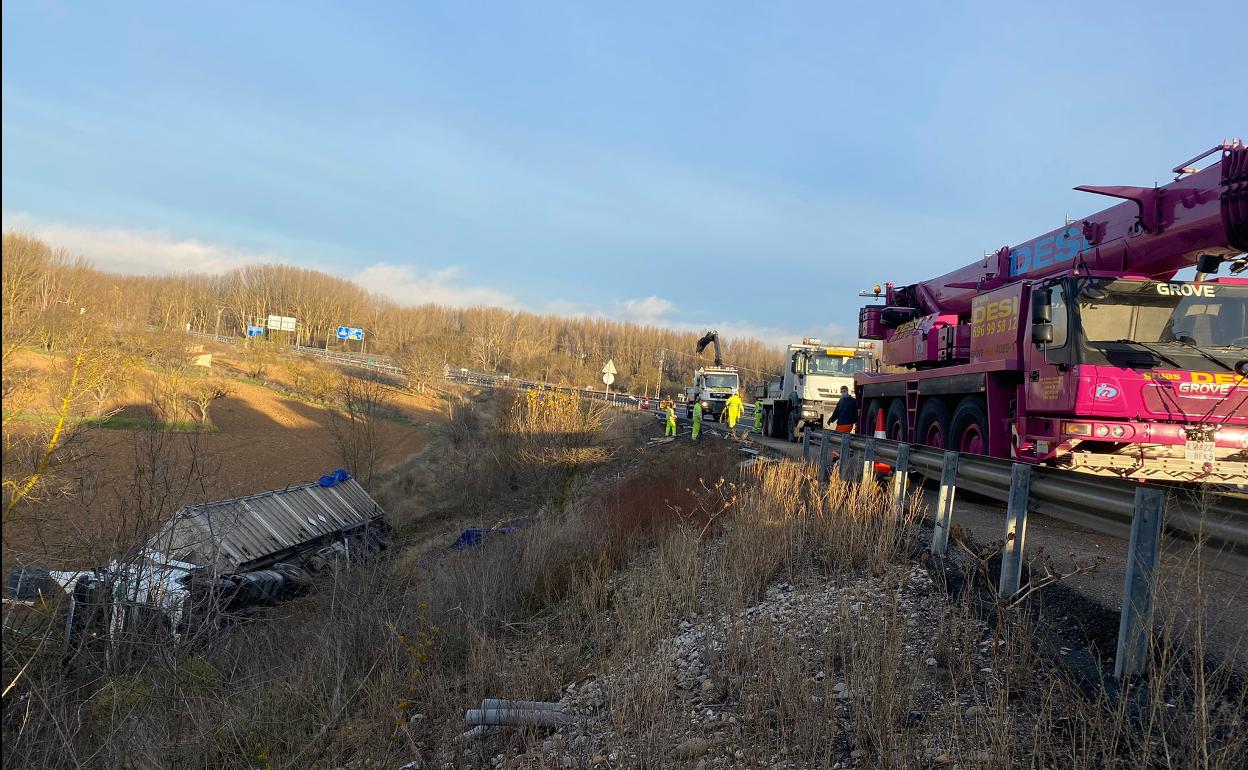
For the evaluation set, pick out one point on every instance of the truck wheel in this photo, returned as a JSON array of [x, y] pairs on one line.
[[769, 420], [873, 407], [793, 437], [932, 428], [968, 430], [895, 422]]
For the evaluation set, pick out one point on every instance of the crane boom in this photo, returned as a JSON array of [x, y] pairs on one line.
[[1154, 233]]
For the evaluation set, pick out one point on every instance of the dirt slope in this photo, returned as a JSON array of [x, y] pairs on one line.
[[263, 440]]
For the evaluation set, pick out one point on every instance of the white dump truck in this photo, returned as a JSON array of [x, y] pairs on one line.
[[713, 385], [807, 392]]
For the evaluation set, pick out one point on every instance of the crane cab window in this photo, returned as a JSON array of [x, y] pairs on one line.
[[1061, 315]]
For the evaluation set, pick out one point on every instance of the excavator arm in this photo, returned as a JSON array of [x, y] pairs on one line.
[[711, 337]]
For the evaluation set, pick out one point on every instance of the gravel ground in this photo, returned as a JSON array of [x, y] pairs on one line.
[[714, 714]]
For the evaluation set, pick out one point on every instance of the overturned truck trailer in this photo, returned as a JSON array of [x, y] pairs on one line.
[[215, 560]]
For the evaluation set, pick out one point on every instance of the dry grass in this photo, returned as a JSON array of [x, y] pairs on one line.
[[379, 663]]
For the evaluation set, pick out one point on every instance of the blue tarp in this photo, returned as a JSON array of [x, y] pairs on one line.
[[337, 477], [471, 538]]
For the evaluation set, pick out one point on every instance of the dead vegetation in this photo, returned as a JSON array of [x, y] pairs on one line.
[[688, 611]]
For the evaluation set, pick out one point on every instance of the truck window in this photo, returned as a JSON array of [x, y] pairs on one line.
[[1061, 315], [836, 365], [1152, 312], [721, 381]]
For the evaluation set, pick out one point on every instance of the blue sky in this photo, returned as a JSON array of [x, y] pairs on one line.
[[742, 165]]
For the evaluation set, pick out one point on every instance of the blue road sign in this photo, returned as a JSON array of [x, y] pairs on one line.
[[357, 334], [255, 331], [344, 332]]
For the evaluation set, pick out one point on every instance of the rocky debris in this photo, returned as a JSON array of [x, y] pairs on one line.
[[716, 716], [691, 748]]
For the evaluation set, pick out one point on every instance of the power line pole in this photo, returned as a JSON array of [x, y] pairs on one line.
[[658, 387]]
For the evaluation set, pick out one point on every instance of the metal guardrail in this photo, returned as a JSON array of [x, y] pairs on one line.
[[335, 358], [214, 337], [1139, 513], [484, 379], [1099, 503], [368, 359], [363, 360]]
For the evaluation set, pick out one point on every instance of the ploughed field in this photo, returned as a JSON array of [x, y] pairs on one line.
[[115, 482]]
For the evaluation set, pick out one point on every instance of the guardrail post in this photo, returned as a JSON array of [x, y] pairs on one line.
[[944, 504], [846, 469], [1015, 530], [1136, 622], [868, 462], [901, 475], [825, 458], [806, 443]]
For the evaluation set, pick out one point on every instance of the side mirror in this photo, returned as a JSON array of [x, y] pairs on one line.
[[1042, 333], [1207, 264], [1041, 307], [793, 366]]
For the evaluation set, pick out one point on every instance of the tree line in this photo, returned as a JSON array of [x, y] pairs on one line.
[[49, 295]]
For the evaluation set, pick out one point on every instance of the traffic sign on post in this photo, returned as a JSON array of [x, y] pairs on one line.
[[255, 331], [344, 332], [607, 378], [350, 333], [610, 368]]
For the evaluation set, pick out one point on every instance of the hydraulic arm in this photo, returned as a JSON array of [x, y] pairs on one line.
[[711, 337]]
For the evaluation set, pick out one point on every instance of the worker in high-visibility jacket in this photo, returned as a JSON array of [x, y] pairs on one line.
[[732, 412], [697, 419], [670, 410], [758, 417]]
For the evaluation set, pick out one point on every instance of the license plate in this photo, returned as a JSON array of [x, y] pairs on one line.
[[1199, 451]]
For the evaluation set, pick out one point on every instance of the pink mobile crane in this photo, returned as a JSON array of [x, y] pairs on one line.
[[1078, 348]]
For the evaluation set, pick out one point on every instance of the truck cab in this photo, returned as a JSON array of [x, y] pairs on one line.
[[810, 387], [713, 386], [1138, 376]]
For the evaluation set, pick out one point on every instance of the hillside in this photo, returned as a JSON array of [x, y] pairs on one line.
[[263, 434], [48, 293]]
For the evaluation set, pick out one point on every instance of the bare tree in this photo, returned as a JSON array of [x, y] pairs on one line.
[[423, 362], [201, 395], [354, 426], [257, 357]]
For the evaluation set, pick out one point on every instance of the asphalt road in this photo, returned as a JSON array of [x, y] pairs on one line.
[[1189, 590]]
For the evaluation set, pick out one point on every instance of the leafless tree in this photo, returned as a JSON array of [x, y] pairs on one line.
[[355, 425], [201, 395], [258, 356]]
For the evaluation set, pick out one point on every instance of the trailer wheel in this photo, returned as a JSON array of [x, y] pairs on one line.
[[895, 422], [932, 427], [968, 430]]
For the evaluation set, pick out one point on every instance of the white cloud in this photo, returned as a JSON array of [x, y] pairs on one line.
[[138, 252], [142, 252], [646, 311], [405, 286]]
